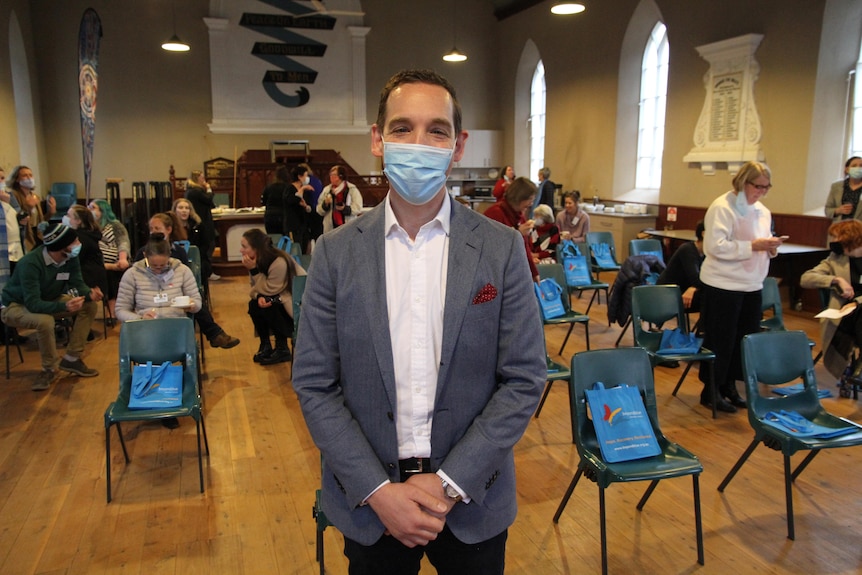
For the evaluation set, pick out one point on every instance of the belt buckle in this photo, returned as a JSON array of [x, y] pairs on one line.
[[418, 466]]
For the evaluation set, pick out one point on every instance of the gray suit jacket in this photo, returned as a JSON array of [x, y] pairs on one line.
[[833, 201], [492, 371]]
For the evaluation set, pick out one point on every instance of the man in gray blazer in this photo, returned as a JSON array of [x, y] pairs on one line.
[[420, 355]]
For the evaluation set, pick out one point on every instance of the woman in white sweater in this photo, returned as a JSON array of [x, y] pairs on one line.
[[152, 286], [738, 244]]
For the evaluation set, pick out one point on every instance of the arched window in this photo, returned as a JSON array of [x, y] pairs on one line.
[[855, 147], [537, 120], [653, 97]]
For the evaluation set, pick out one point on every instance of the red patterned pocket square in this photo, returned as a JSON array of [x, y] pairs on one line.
[[486, 294]]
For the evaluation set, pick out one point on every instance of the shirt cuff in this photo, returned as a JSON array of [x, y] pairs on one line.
[[376, 489], [464, 497]]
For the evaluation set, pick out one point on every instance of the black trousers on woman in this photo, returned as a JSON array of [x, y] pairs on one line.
[[271, 320], [726, 317]]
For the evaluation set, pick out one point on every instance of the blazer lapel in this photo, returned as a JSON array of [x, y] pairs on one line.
[[370, 272], [465, 249]]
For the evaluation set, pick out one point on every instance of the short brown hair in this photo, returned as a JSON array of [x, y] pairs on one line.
[[848, 233], [519, 190], [418, 77]]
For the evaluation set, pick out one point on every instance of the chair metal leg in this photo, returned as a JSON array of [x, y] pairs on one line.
[[200, 455], [204, 428], [544, 397], [108, 461], [568, 494], [681, 379], [748, 451], [698, 524], [647, 493], [320, 551], [603, 530], [788, 494], [568, 333], [801, 467], [122, 442], [587, 333], [623, 332]]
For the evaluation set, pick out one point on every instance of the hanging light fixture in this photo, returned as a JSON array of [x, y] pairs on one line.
[[174, 44], [568, 8], [454, 55]]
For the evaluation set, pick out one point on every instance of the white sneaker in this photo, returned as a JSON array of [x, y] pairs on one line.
[[214, 277]]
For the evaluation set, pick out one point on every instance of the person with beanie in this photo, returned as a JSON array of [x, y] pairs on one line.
[[47, 284]]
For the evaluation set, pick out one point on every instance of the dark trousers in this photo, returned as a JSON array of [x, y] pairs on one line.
[[273, 320], [726, 317], [447, 554], [208, 326]]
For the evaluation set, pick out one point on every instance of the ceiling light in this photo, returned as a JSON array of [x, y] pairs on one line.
[[455, 56], [175, 45], [568, 8]]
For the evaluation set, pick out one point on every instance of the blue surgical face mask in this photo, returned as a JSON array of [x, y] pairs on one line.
[[67, 221], [28, 183], [76, 251], [855, 172], [306, 180], [416, 172], [741, 204]]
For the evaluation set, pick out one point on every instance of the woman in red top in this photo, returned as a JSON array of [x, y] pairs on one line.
[[510, 211], [506, 178]]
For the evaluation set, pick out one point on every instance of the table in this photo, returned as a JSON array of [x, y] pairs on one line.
[[792, 259]]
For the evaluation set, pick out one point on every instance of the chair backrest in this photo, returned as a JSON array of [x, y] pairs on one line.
[[296, 290], [195, 260], [65, 194], [284, 243], [158, 340], [774, 358], [556, 273], [656, 305], [598, 238], [771, 301], [185, 244], [646, 246], [629, 365]]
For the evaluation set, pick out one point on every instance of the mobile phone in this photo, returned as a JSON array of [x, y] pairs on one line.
[[783, 238]]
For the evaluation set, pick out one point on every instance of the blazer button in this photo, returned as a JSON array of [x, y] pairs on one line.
[[390, 416], [391, 466]]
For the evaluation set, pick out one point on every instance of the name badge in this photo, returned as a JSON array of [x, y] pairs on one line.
[[63, 276], [161, 298]]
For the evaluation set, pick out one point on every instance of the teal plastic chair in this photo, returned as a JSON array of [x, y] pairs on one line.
[[194, 254], [322, 522], [65, 195], [774, 358], [571, 317], [596, 238], [630, 365], [646, 246], [555, 372], [595, 285], [658, 305], [156, 340], [770, 306]]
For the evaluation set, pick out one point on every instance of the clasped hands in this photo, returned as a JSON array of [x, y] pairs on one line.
[[413, 512]]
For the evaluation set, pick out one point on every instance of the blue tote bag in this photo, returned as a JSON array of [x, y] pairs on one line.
[[674, 341], [622, 423], [575, 265], [602, 255], [156, 387], [548, 291]]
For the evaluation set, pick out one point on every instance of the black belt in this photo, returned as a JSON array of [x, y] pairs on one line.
[[414, 465]]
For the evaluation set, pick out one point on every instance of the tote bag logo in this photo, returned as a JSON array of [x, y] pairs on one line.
[[610, 414]]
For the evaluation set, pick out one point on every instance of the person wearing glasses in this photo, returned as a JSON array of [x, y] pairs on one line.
[[738, 244], [157, 286]]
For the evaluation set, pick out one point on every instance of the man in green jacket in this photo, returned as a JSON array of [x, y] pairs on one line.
[[45, 285]]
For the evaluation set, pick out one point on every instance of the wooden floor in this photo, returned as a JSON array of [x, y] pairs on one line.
[[255, 516]]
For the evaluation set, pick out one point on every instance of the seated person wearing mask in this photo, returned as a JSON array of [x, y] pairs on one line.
[[841, 274], [683, 269], [47, 284]]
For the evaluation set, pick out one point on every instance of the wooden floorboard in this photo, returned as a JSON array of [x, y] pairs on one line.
[[255, 516]]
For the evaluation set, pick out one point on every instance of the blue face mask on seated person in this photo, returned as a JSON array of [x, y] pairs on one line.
[[416, 172], [76, 251]]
